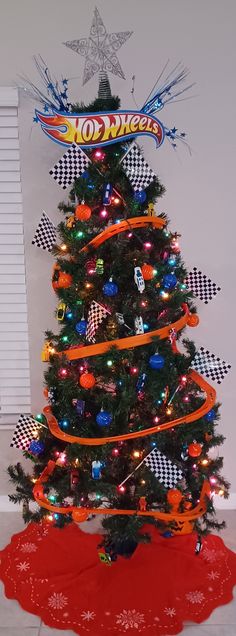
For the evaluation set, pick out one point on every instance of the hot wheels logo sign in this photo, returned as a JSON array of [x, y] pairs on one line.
[[98, 129]]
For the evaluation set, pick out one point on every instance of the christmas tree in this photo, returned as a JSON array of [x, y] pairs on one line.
[[130, 425]]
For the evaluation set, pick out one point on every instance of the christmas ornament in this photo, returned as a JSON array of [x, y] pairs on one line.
[[99, 49], [174, 497], [140, 196], [147, 271], [210, 416], [87, 380], [156, 361], [142, 504], [96, 469], [74, 479], [104, 418], [52, 394], [208, 437], [82, 212], [110, 288], [138, 279], [90, 266], [138, 325], [169, 281], [47, 351], [81, 327], [107, 192], [36, 447], [60, 280], [194, 449], [100, 266], [193, 320]]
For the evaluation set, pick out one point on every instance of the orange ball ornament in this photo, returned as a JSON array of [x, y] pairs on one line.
[[79, 515], [147, 271], [194, 449], [87, 380], [60, 280], [82, 212], [174, 497], [193, 320]]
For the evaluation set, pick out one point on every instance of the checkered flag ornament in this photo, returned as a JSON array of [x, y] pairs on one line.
[[96, 315], [70, 167], [45, 235], [137, 169], [163, 468], [201, 285], [25, 430], [207, 364]]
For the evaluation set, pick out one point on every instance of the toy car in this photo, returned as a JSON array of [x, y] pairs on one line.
[[138, 279], [70, 222], [138, 325], [61, 311]]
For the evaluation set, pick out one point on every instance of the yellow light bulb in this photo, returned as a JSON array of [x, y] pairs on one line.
[[205, 462], [221, 492], [63, 247], [136, 454]]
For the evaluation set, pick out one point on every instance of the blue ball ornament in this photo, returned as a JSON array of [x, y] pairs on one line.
[[169, 281], [156, 361], [36, 447], [140, 196], [110, 288], [104, 418], [81, 327], [210, 415]]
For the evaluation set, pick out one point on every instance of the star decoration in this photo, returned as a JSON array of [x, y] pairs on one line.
[[99, 49]]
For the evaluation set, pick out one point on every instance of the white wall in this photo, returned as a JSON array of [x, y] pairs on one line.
[[200, 197]]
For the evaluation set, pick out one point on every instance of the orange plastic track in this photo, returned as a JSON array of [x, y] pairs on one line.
[[43, 501], [100, 441], [124, 226]]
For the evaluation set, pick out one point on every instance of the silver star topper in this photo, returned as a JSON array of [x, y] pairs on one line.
[[99, 49]]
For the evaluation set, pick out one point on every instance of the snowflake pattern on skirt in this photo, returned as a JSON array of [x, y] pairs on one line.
[[23, 566], [28, 547], [195, 597], [88, 616], [57, 601], [130, 619]]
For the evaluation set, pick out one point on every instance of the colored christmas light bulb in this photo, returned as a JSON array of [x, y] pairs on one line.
[[109, 363], [121, 489], [136, 454], [63, 247], [79, 234], [104, 213]]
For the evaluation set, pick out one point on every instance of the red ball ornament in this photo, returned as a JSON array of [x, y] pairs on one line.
[[79, 515], [193, 320], [174, 496], [194, 449], [147, 271], [82, 212], [87, 380]]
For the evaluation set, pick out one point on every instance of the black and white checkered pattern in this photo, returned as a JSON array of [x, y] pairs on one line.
[[45, 235], [137, 169], [70, 167], [206, 363], [96, 315], [24, 432], [163, 468], [201, 285]]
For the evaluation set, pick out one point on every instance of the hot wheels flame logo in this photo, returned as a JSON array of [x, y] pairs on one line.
[[97, 129]]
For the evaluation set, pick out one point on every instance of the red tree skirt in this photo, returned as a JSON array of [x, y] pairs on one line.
[[56, 575]]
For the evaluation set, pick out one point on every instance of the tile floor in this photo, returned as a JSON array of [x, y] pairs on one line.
[[15, 622]]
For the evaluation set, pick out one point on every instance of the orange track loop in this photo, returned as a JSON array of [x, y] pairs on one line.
[[100, 441], [124, 226], [189, 515]]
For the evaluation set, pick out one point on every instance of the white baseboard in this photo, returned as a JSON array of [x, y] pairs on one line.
[[219, 502]]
